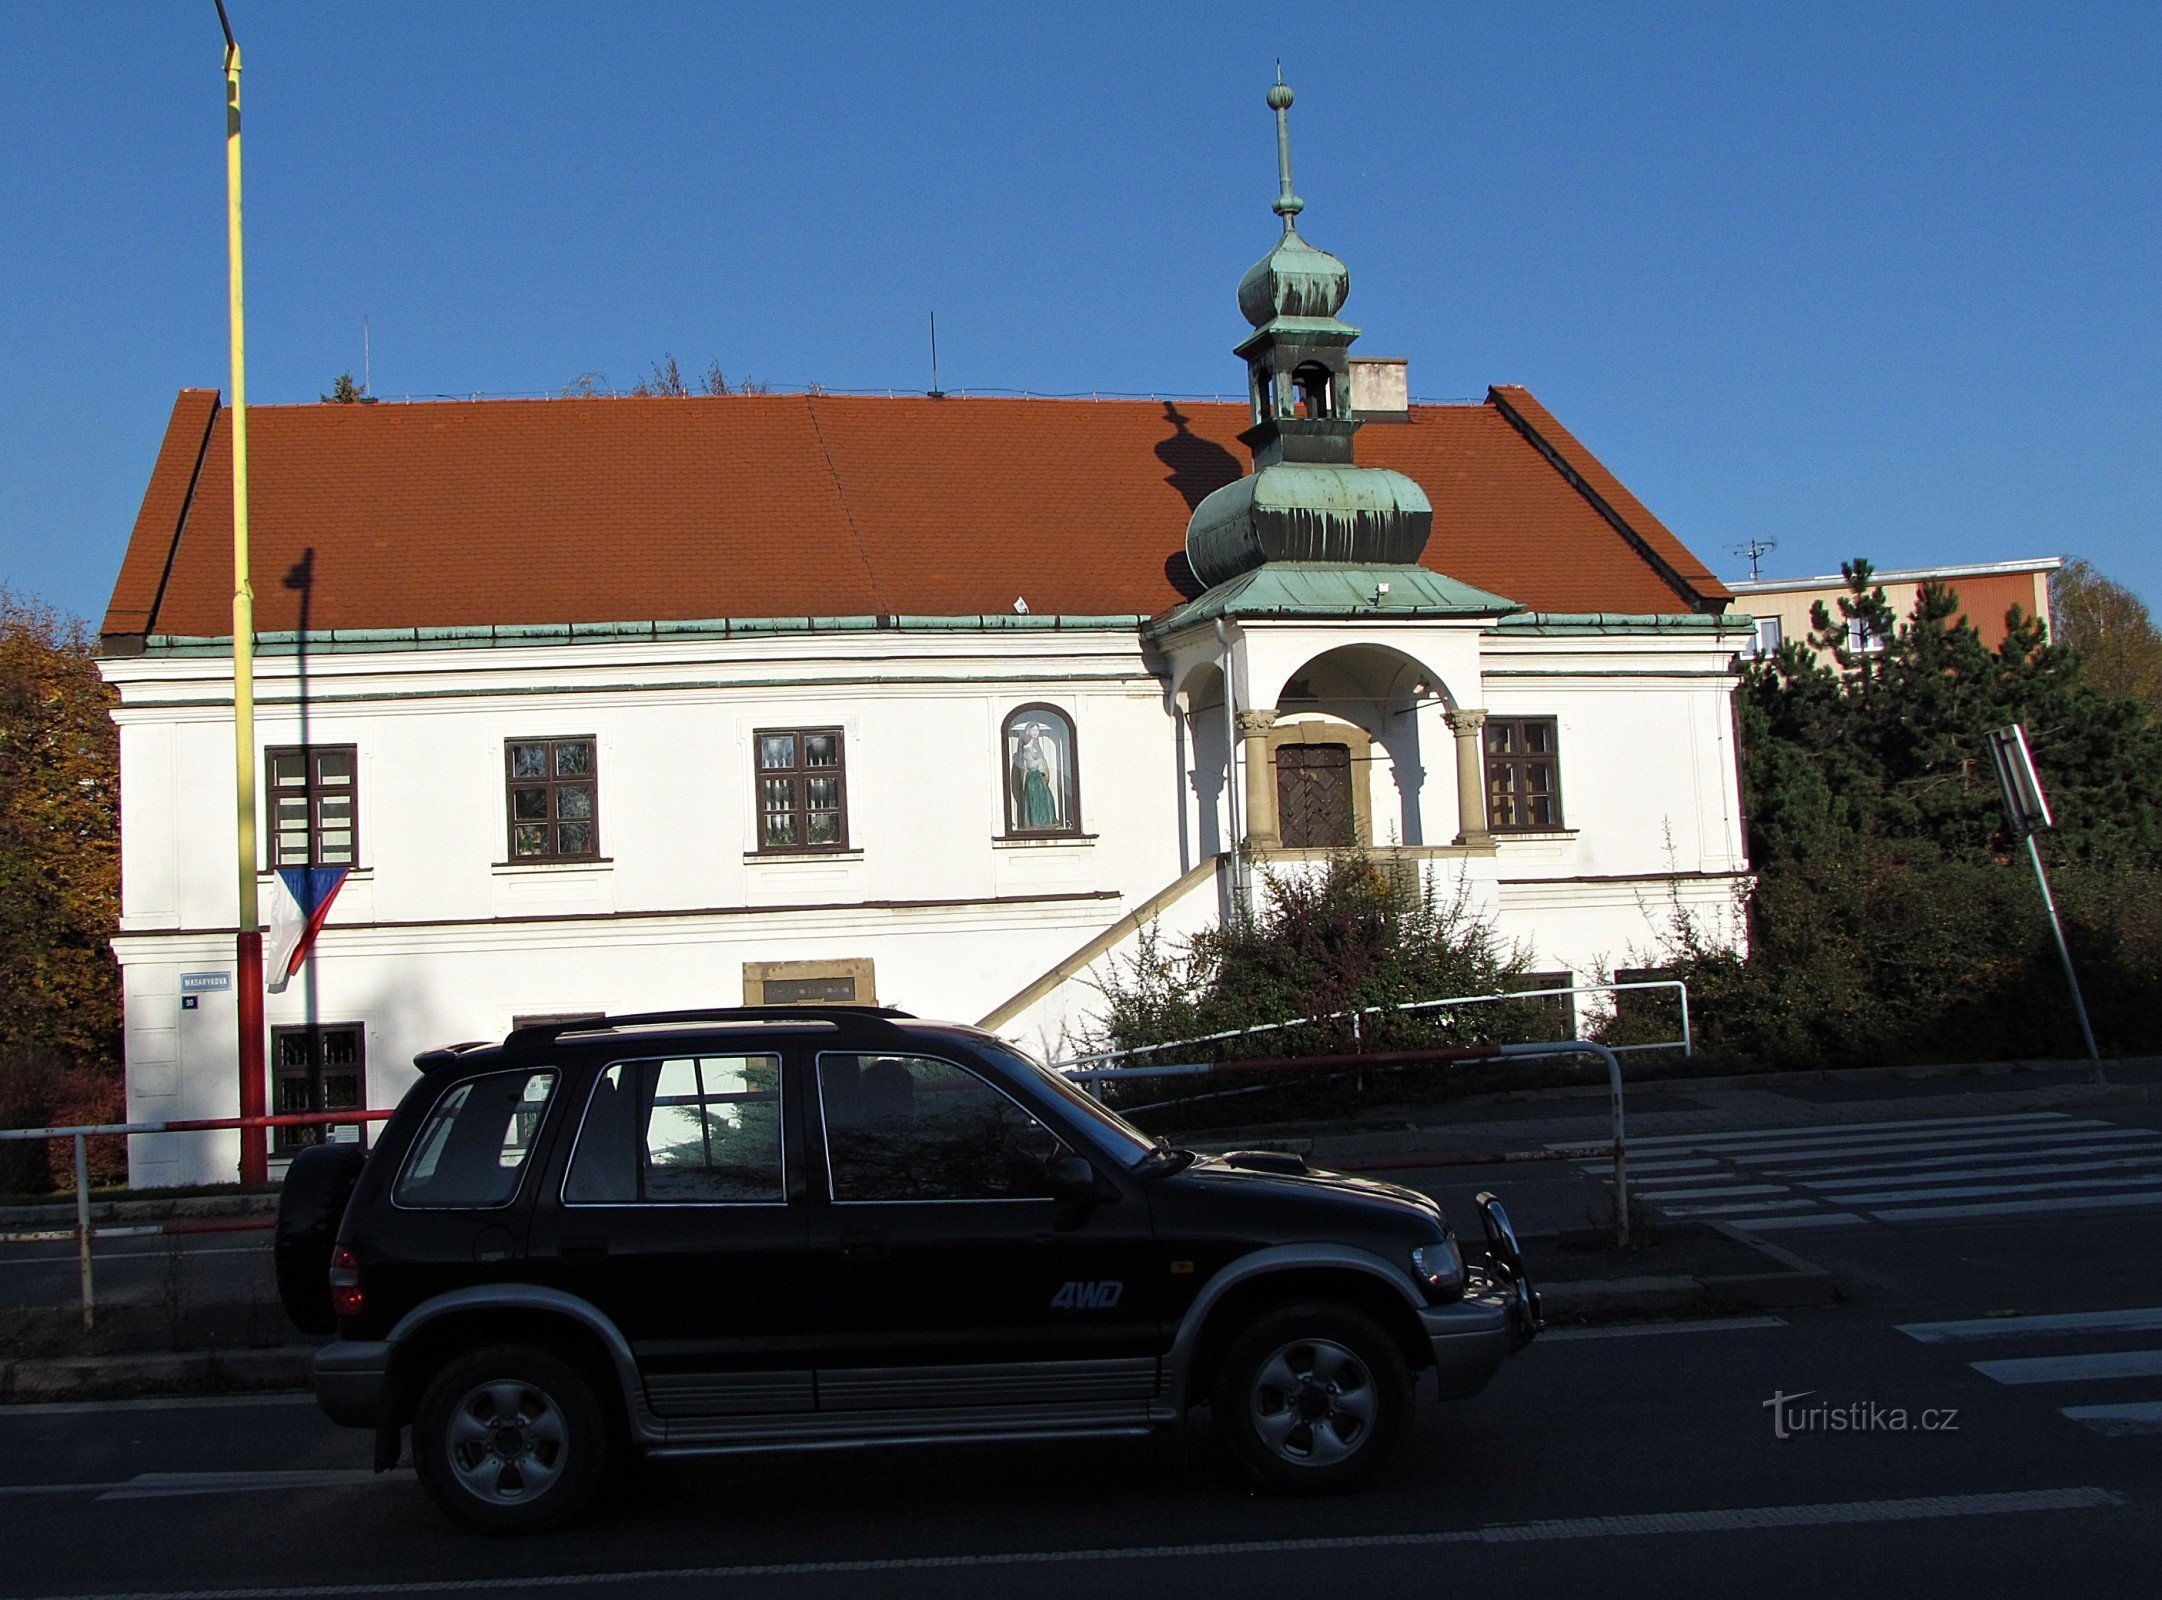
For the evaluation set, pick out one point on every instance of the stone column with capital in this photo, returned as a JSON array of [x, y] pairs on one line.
[[1469, 726], [1261, 833]]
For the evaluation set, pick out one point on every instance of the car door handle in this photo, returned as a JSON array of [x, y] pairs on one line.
[[862, 1246], [583, 1249]]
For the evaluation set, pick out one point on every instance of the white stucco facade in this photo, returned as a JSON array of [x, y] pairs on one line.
[[436, 937]]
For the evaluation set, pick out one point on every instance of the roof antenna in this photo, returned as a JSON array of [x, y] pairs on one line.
[[367, 366], [1755, 550], [935, 392]]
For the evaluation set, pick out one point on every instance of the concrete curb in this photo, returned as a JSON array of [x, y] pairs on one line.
[[108, 1213], [188, 1372]]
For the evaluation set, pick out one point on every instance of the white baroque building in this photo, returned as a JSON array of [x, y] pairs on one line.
[[619, 704]]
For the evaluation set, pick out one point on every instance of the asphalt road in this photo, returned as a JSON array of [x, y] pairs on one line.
[[1612, 1461]]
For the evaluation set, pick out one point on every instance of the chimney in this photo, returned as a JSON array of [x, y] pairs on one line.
[[1380, 389]]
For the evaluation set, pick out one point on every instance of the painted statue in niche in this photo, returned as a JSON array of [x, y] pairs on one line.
[[1039, 772]]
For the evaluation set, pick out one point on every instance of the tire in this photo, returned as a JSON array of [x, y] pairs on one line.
[[1311, 1398], [510, 1439]]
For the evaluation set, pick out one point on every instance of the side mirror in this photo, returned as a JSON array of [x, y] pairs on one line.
[[1074, 1181]]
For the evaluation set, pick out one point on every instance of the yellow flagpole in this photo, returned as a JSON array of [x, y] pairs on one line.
[[248, 981]]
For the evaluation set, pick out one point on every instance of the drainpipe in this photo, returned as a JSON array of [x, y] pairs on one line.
[[1231, 771]]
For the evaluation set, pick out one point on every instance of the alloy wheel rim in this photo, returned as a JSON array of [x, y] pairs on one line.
[[1313, 1403], [507, 1441]]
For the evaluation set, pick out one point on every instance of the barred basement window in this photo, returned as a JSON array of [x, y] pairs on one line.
[[802, 793], [314, 805], [1523, 775], [323, 1068], [554, 799]]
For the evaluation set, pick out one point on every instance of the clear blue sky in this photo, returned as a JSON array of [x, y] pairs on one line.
[[1867, 279]]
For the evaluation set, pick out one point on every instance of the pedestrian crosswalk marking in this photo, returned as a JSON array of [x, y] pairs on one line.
[[2141, 1416], [1974, 1330], [1923, 1170], [2021, 1208], [1696, 1139], [1887, 1197], [1931, 1173], [1995, 1145], [2073, 1369]]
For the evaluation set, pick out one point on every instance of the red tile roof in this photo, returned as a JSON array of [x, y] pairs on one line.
[[461, 513]]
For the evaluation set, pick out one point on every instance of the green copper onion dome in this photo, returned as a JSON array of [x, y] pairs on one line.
[[1293, 280]]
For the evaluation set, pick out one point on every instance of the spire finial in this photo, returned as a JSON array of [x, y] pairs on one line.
[[1288, 205]]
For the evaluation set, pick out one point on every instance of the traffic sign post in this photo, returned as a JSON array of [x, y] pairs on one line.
[[2026, 812]]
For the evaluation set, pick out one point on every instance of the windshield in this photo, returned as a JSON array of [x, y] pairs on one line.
[[1119, 1138]]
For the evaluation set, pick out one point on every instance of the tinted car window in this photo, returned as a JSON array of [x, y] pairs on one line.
[[681, 1130], [473, 1149], [913, 1128]]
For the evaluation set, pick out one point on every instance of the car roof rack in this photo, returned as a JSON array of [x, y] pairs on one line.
[[546, 1033]]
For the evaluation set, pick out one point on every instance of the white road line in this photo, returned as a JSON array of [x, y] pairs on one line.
[[2019, 1208], [1731, 1191], [1887, 1197], [1656, 1140], [2051, 1169], [1821, 1219], [2144, 1416], [2073, 1369], [2003, 1144], [1746, 1519], [1641, 1330], [2136, 1319], [83, 1408], [1741, 1209], [1919, 1163]]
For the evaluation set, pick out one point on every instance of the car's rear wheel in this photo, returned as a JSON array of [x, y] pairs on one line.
[[1311, 1398], [510, 1439]]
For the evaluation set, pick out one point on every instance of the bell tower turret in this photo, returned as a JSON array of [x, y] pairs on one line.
[[1307, 499]]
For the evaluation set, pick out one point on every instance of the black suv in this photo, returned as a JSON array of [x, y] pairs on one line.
[[734, 1231]]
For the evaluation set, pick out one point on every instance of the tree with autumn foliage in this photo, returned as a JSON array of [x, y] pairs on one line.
[[60, 1030]]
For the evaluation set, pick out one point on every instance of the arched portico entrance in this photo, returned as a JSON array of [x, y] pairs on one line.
[[1343, 756]]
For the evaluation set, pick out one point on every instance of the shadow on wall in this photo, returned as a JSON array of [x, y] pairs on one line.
[[1198, 468]]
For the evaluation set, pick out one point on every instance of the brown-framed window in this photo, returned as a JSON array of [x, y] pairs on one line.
[[802, 790], [1043, 773], [554, 804], [314, 805], [1523, 774], [323, 1068]]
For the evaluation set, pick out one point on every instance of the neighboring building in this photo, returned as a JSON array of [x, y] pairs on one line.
[[621, 704], [1987, 591]]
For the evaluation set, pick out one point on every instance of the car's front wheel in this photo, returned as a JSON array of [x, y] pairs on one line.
[[1311, 1398], [510, 1439]]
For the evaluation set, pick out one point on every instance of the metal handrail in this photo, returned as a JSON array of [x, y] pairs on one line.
[[1686, 1043]]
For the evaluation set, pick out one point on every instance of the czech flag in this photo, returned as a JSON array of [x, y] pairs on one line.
[[296, 916]]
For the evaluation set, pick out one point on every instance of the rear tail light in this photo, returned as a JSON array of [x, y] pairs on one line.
[[346, 1296]]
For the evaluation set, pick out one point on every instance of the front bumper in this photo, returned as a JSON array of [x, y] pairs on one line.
[[1498, 1316], [350, 1377], [1473, 1337]]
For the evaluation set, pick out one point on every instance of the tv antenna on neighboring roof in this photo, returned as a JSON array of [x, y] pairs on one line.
[[935, 392], [1755, 550]]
